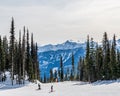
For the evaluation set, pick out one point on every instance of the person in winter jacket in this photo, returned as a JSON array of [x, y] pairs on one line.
[[39, 87], [51, 88]]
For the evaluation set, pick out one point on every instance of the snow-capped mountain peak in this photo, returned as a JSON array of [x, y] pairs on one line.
[[49, 55], [64, 46]]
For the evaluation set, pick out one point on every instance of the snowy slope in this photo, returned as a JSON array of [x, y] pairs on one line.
[[103, 88], [68, 88], [7, 84]]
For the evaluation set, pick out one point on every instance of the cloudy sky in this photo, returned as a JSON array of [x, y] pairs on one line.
[[55, 21]]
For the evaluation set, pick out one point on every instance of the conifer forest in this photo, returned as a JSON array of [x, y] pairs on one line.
[[20, 58], [101, 62]]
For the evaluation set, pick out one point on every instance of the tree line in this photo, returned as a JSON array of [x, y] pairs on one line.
[[62, 74], [101, 62], [19, 57]]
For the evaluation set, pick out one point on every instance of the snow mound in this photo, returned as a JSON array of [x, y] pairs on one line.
[[8, 85]]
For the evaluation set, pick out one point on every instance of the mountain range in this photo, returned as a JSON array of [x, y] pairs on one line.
[[49, 55]]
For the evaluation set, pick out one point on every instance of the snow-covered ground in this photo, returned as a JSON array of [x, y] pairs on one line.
[[68, 88], [104, 88]]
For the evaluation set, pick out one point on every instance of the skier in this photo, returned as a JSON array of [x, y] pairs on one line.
[[51, 88], [39, 87]]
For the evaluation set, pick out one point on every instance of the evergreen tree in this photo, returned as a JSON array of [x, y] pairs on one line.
[[3, 58], [59, 73], [12, 41], [61, 69], [37, 63], [45, 79], [27, 67], [80, 69], [20, 59], [68, 74], [1, 68], [71, 75], [23, 56], [32, 61], [55, 74], [92, 63], [87, 60], [16, 59], [51, 75], [118, 64], [73, 69], [106, 57], [113, 62], [99, 62], [5, 49]]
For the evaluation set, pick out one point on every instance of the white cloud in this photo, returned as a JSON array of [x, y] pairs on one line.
[[54, 21]]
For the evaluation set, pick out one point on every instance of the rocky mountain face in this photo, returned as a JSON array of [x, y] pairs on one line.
[[49, 55]]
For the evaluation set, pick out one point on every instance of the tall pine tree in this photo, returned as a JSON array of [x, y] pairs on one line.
[[61, 69], [12, 41]]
